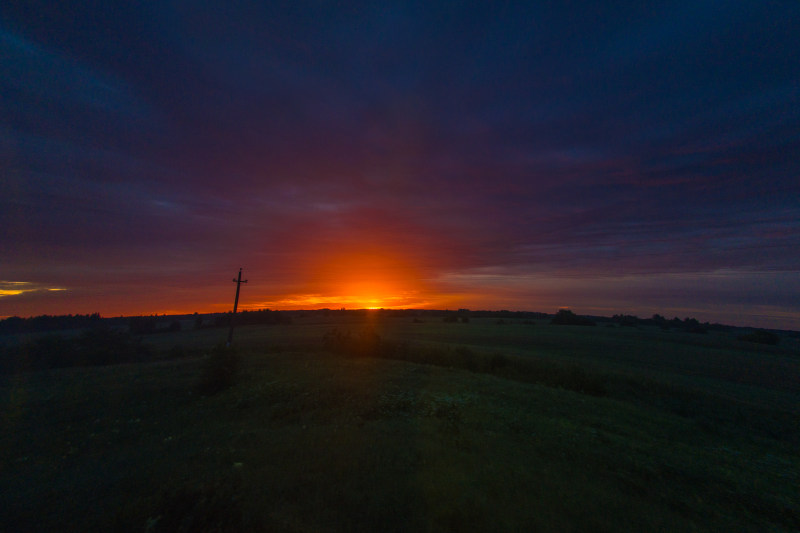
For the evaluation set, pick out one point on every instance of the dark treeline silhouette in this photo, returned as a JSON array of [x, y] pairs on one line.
[[144, 325], [565, 317], [691, 325], [249, 318], [16, 325], [518, 315]]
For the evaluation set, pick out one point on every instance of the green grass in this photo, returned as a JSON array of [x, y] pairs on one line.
[[677, 432]]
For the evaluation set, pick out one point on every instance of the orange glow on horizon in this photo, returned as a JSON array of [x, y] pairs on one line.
[[319, 301], [358, 277]]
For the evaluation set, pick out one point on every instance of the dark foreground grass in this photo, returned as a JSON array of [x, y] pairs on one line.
[[757, 397], [352, 441]]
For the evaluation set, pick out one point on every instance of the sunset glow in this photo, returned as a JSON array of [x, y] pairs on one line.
[[371, 278], [355, 278], [485, 156]]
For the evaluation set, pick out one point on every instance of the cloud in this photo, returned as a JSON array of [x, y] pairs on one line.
[[34, 70], [156, 148], [17, 288]]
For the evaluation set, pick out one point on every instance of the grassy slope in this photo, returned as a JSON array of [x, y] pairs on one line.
[[690, 434]]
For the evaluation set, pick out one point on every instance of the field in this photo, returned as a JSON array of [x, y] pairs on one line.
[[375, 423]]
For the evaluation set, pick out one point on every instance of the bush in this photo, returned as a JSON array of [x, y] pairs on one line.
[[631, 321], [219, 370], [565, 317]]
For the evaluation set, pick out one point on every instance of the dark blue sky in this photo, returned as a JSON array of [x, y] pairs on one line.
[[611, 157]]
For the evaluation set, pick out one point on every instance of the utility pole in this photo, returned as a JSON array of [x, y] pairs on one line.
[[238, 283]]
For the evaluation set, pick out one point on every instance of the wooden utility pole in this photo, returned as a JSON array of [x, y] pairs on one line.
[[238, 283]]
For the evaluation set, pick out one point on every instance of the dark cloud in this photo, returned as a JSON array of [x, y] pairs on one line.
[[162, 144]]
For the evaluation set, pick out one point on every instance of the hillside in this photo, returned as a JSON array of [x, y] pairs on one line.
[[389, 424]]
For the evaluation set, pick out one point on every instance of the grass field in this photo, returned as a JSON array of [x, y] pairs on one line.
[[392, 425]]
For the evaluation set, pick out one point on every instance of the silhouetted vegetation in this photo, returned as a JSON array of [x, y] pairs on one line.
[[146, 325], [565, 317], [512, 315], [249, 318], [16, 325], [462, 316], [760, 336], [627, 320], [691, 325]]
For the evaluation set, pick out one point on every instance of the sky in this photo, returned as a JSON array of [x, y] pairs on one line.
[[608, 157]]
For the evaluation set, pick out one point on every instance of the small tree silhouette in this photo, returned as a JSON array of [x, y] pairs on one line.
[[565, 317]]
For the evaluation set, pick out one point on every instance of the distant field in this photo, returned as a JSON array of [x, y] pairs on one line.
[[386, 424]]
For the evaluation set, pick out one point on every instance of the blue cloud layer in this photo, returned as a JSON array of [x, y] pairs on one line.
[[576, 139]]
